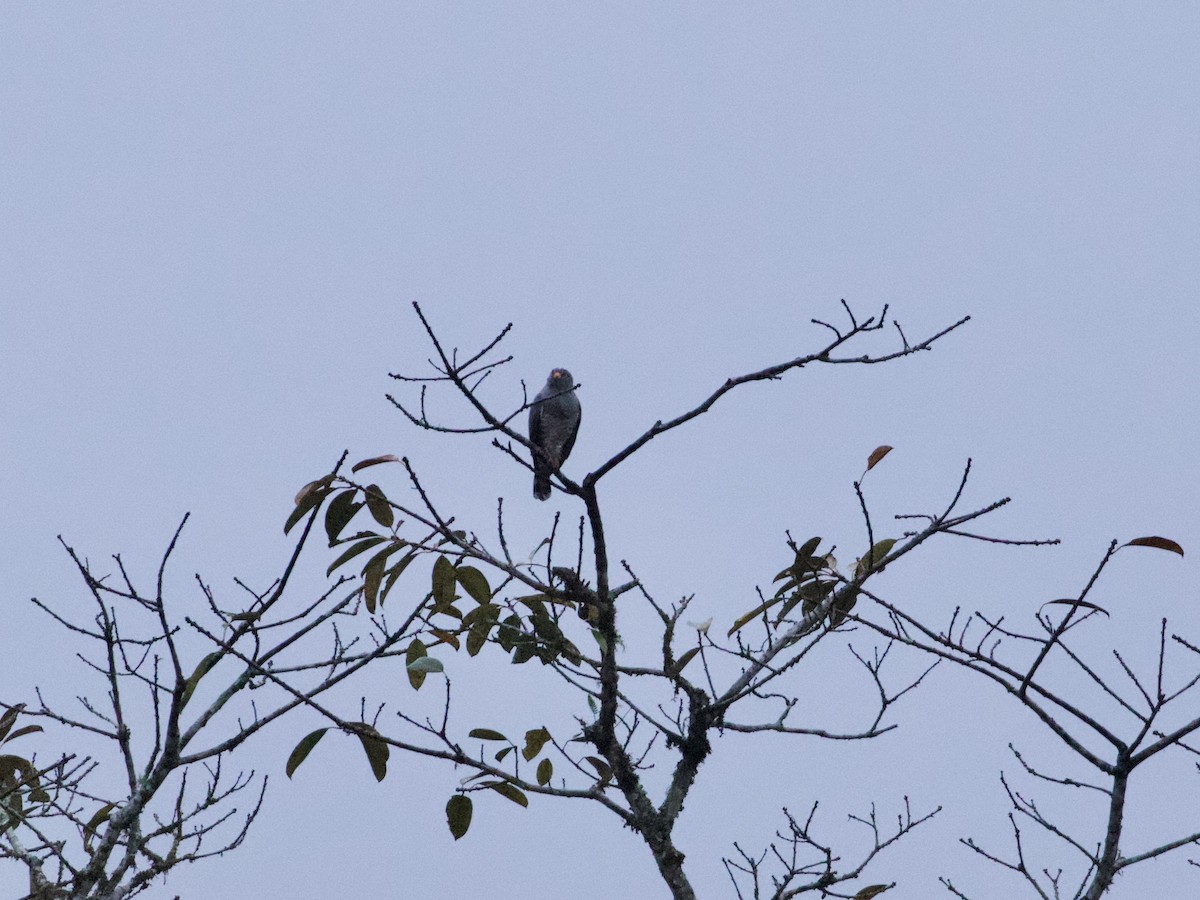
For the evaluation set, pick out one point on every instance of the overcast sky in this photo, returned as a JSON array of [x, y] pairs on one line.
[[215, 217]]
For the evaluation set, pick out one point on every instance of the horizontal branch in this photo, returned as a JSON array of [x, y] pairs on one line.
[[770, 373]]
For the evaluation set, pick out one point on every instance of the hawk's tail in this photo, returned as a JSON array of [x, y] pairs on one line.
[[541, 486]]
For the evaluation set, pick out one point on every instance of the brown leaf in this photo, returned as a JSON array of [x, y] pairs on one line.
[[310, 496], [312, 486], [28, 729], [1161, 543], [445, 637], [876, 455], [1082, 603], [373, 461], [9, 718]]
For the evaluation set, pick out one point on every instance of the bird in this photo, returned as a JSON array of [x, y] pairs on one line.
[[553, 424]]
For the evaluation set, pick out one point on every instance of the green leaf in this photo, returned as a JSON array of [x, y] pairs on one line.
[[571, 653], [550, 635], [503, 752], [482, 620], [16, 769], [504, 789], [416, 650], [474, 583], [808, 548], [341, 510], [458, 814], [804, 561], [870, 891], [811, 594], [753, 614], [203, 669], [535, 740], [524, 653], [448, 609], [89, 829], [603, 769], [545, 771], [373, 461], [443, 581], [302, 749], [359, 547], [376, 749], [372, 576], [378, 505], [842, 605], [426, 664], [509, 633], [36, 793], [393, 545], [874, 557], [486, 734], [309, 497], [684, 660], [1160, 543], [536, 603], [877, 455]]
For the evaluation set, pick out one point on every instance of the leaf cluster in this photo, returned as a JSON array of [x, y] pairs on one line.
[[20, 780]]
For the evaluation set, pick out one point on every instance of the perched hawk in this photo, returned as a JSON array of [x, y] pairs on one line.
[[553, 424]]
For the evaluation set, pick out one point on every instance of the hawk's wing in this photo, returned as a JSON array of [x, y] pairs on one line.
[[570, 441], [535, 422]]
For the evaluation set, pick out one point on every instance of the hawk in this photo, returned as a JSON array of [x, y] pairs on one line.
[[553, 424]]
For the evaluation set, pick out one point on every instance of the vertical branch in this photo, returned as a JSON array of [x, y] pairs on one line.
[[1109, 861], [1061, 628]]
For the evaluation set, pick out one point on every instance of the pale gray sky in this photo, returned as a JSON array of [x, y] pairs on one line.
[[215, 217]]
